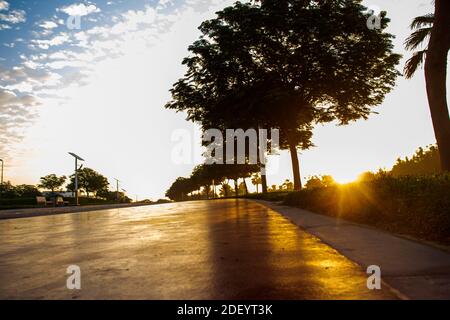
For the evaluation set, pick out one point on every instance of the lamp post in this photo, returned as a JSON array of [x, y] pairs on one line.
[[117, 189], [76, 175], [1, 183]]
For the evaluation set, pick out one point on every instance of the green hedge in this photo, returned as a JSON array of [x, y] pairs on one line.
[[21, 203], [418, 206], [17, 202]]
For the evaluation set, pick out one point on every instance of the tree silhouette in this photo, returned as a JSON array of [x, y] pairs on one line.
[[436, 30], [436, 77], [422, 30], [89, 180], [225, 190], [203, 176], [424, 161], [287, 65], [52, 182], [320, 182], [179, 189], [256, 180]]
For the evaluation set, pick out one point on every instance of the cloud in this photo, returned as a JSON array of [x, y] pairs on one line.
[[26, 80], [162, 4], [13, 17], [79, 9], [16, 114], [55, 41], [48, 25], [4, 5]]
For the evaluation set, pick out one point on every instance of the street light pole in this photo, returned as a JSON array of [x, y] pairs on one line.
[[76, 182], [76, 176], [117, 189], [1, 184]]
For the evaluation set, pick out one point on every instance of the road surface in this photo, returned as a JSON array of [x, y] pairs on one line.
[[227, 249]]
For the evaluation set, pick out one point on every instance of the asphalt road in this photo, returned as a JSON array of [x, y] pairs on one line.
[[227, 249]]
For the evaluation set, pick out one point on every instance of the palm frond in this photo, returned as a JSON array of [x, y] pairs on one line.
[[425, 20], [413, 63], [417, 38]]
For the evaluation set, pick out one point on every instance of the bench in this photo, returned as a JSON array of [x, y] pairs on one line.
[[42, 201], [59, 201]]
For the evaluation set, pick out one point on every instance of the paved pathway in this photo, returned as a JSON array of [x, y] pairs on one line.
[[228, 249], [416, 270], [45, 211]]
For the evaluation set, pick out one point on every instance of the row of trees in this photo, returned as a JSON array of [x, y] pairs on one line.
[[424, 161], [212, 181], [205, 178], [290, 64], [286, 64], [10, 191], [89, 180]]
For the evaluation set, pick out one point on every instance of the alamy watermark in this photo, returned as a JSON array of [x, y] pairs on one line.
[[374, 21], [232, 146], [374, 279], [73, 282], [73, 22]]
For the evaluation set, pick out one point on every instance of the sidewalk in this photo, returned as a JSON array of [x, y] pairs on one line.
[[416, 270], [35, 212]]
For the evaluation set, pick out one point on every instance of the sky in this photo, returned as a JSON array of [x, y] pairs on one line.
[[96, 85]]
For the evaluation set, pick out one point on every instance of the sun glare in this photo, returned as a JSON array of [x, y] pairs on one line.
[[343, 178]]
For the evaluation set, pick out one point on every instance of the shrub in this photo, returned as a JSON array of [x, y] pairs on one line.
[[17, 202], [412, 205]]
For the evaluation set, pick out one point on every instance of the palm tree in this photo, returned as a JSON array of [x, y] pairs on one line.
[[256, 180], [434, 27], [422, 27]]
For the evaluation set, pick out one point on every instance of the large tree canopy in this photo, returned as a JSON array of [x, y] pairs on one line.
[[286, 64]]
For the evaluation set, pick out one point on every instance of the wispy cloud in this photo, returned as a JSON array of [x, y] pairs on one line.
[[55, 41], [79, 9], [48, 25], [16, 113], [13, 16]]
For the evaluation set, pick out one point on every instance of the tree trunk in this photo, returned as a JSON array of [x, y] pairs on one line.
[[245, 185], [236, 188], [295, 165], [257, 190], [436, 76], [261, 163], [263, 180]]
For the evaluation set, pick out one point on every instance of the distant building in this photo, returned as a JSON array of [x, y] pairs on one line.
[[64, 194]]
